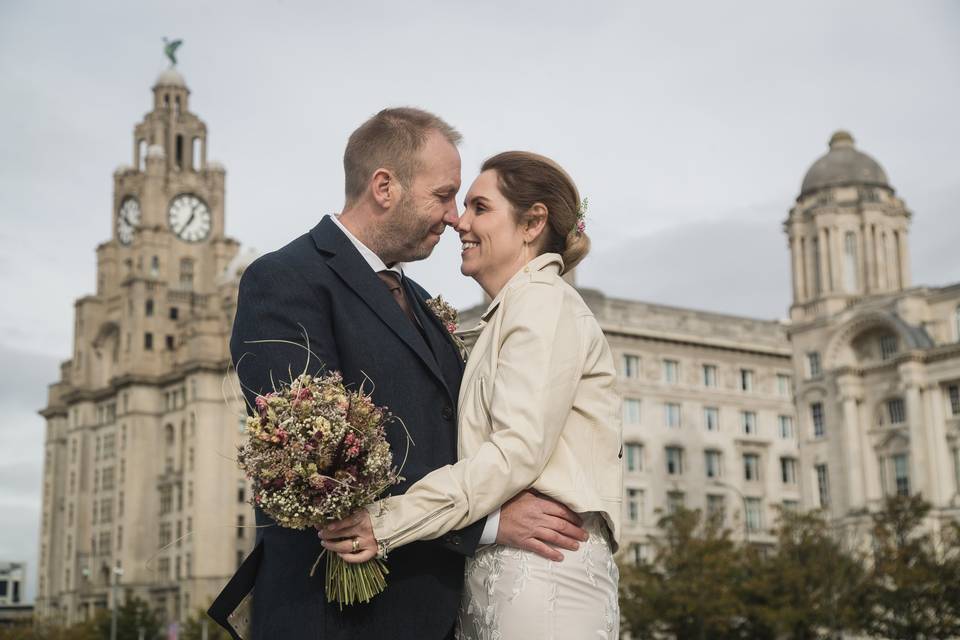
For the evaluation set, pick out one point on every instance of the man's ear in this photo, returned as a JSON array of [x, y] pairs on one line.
[[385, 188], [535, 222]]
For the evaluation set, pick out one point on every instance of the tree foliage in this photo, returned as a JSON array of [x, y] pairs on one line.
[[809, 585]]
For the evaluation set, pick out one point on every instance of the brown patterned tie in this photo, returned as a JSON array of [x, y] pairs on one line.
[[392, 280]]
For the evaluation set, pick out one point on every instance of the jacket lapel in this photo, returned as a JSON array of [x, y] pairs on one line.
[[347, 263]]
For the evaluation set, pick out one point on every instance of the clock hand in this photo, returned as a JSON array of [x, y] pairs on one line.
[[189, 220]]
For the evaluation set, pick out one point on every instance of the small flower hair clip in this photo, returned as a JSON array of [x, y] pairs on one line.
[[582, 216]]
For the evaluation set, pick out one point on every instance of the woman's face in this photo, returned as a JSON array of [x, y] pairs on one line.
[[493, 244]]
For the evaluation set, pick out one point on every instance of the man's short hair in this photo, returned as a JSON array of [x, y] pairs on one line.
[[392, 140]]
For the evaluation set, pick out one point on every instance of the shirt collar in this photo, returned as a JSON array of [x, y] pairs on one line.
[[366, 253], [543, 262]]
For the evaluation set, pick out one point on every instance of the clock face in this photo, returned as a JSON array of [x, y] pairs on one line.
[[189, 218], [128, 219]]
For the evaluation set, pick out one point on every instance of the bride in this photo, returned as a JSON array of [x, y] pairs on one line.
[[537, 410]]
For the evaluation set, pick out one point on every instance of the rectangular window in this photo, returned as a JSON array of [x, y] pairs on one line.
[[709, 375], [713, 463], [788, 470], [823, 486], [170, 343], [715, 506], [634, 453], [888, 347], [954, 392], [816, 415], [241, 531], [901, 472], [671, 370], [897, 411], [748, 419], [631, 411], [674, 461], [791, 506], [851, 275], [148, 341], [631, 366], [635, 506], [241, 491], [786, 427], [813, 364], [672, 415], [174, 313], [746, 380], [166, 499], [783, 385], [751, 467], [675, 500], [711, 418], [754, 514]]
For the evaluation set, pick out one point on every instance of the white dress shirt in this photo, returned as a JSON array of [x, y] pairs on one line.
[[492, 526]]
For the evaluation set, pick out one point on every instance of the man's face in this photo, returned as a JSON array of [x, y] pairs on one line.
[[428, 204]]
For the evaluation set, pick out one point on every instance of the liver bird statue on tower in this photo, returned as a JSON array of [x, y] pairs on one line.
[[170, 48]]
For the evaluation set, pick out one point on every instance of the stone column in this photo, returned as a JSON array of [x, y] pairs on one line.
[[904, 259], [919, 444], [799, 288], [851, 443], [939, 472]]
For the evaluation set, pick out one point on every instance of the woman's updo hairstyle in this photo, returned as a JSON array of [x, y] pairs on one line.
[[525, 179]]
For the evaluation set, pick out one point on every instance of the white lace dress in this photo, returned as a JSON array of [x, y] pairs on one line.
[[511, 594]]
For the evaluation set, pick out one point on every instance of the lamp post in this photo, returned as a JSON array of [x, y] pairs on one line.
[[117, 572], [743, 500]]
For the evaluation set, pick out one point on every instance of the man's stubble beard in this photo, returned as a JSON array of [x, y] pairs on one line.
[[402, 237]]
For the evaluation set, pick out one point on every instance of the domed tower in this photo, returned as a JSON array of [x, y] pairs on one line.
[[847, 233]]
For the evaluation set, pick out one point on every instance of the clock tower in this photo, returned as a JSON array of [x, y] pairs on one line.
[[142, 496]]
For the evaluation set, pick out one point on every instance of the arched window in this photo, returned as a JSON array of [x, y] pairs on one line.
[[176, 107], [166, 101], [141, 154], [148, 310], [155, 266], [179, 151], [197, 159]]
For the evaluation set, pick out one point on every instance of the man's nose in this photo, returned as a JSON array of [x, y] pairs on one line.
[[451, 217]]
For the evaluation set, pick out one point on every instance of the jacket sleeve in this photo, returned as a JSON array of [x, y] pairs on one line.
[[536, 379], [276, 304]]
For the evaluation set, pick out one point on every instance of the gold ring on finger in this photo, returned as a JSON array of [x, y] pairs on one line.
[[356, 545]]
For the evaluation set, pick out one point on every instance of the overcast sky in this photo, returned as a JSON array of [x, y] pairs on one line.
[[688, 124]]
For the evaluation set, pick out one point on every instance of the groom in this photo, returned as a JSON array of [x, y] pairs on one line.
[[343, 285]]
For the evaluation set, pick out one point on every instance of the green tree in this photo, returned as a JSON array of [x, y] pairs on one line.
[[913, 585], [193, 628], [689, 590], [132, 616], [808, 586]]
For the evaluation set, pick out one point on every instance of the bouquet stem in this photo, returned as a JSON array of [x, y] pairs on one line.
[[353, 583]]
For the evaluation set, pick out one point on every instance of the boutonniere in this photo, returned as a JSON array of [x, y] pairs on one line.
[[450, 320]]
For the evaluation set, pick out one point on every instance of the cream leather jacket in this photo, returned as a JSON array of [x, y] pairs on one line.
[[537, 408]]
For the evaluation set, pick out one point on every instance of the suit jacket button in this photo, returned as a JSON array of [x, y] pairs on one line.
[[447, 413]]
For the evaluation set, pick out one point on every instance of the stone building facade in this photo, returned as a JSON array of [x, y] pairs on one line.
[[141, 496], [876, 358]]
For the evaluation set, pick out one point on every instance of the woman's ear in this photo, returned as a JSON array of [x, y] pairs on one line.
[[534, 222]]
